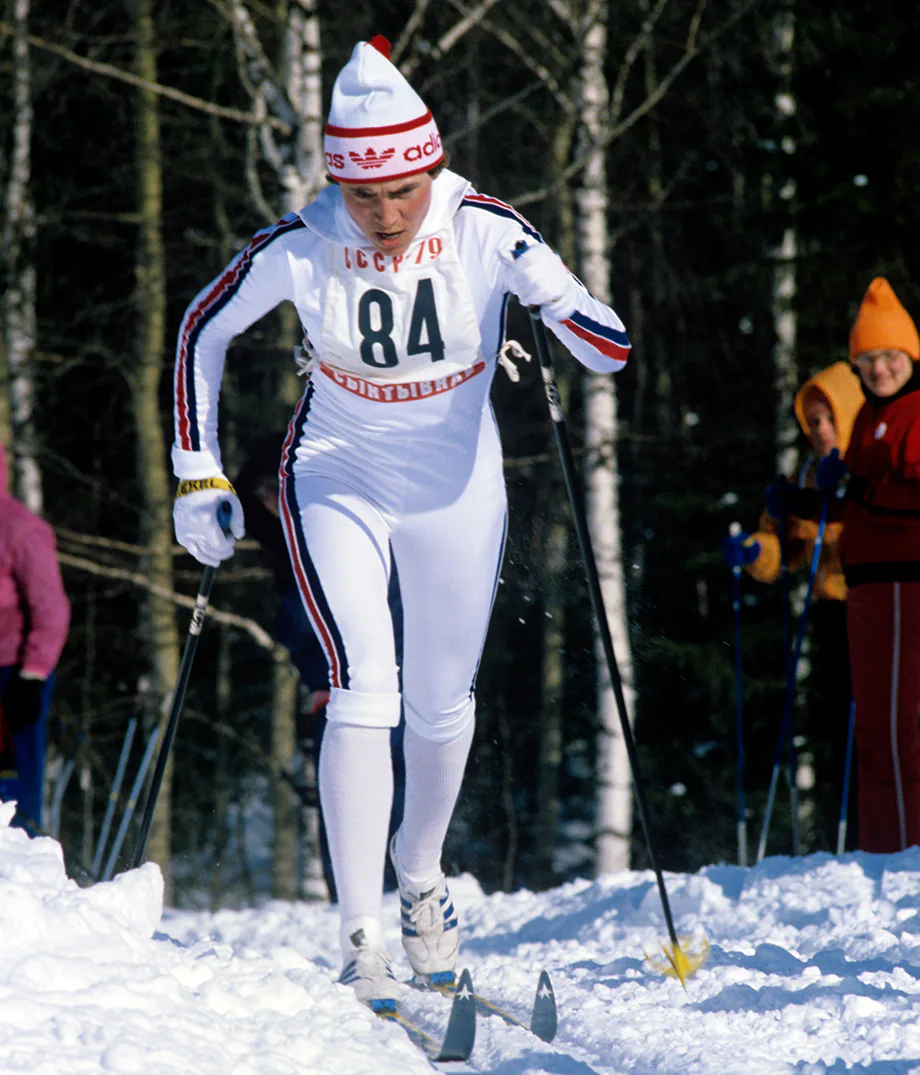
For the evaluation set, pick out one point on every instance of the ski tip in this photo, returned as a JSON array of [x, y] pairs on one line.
[[544, 1017], [461, 1026]]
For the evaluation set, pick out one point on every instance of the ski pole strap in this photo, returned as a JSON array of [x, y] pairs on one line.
[[195, 485]]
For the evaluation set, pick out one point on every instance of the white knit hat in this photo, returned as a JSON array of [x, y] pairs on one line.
[[379, 128]]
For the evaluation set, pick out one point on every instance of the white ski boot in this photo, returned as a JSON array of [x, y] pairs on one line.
[[430, 934], [367, 965]]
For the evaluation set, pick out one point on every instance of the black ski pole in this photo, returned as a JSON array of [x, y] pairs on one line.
[[741, 825], [680, 963], [185, 668]]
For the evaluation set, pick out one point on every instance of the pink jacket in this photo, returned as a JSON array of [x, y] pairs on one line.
[[34, 610]]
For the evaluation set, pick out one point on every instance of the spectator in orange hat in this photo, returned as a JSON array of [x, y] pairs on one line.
[[826, 406], [879, 482]]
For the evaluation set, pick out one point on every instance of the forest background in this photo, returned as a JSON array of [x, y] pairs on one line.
[[732, 173]]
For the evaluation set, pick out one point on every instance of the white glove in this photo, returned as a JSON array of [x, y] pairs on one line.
[[198, 527], [538, 276]]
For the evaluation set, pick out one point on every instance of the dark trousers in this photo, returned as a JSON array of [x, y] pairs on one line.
[[22, 776], [826, 717]]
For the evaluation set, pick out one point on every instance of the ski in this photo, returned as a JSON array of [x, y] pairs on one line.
[[543, 1016], [457, 1044]]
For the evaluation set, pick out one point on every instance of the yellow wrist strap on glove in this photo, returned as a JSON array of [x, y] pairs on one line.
[[196, 485]]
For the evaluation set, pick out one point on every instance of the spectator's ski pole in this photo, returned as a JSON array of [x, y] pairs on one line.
[[131, 804], [113, 796], [679, 962], [785, 731], [791, 672], [185, 668], [847, 770], [735, 530], [57, 801]]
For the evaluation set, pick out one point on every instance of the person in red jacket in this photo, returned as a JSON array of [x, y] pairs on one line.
[[34, 619], [879, 479]]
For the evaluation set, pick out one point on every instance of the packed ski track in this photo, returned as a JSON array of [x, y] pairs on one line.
[[815, 967]]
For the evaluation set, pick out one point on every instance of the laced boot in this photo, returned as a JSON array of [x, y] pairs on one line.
[[430, 934], [367, 965]]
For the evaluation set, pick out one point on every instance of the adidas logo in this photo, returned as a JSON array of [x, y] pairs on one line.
[[357, 938], [371, 158]]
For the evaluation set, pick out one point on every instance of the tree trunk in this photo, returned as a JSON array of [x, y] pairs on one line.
[[153, 483], [556, 550], [18, 278], [785, 364], [784, 274], [284, 801], [614, 779], [312, 879]]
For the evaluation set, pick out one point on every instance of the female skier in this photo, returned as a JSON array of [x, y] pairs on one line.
[[400, 273]]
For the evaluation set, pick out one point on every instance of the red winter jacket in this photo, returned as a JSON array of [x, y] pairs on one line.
[[881, 532], [34, 610]]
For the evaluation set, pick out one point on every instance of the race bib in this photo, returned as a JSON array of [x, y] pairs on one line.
[[400, 318]]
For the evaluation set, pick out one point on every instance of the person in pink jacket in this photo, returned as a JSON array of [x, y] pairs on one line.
[[34, 618]]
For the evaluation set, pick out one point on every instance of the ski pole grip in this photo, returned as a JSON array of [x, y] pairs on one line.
[[224, 515], [521, 247]]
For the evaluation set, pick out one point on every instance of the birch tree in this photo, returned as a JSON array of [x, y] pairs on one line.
[[614, 779], [18, 275], [144, 380], [785, 351], [785, 254]]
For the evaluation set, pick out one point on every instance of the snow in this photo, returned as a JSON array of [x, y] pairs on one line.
[[814, 968]]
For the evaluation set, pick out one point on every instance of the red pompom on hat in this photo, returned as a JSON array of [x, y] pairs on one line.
[[378, 129], [380, 43], [883, 324]]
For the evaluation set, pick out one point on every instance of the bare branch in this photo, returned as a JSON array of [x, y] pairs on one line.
[[117, 73], [95, 541], [414, 22], [259, 635], [251, 171], [258, 74], [491, 113], [695, 24], [513, 45], [453, 35], [692, 50], [638, 46]]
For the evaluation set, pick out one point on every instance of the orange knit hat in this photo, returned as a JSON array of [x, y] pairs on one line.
[[883, 323]]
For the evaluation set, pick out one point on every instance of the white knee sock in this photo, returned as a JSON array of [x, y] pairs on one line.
[[356, 791], [434, 773]]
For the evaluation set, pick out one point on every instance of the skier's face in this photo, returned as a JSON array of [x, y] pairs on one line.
[[390, 214], [884, 371]]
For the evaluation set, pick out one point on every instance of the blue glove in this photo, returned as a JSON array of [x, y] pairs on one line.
[[830, 472], [779, 498], [740, 549]]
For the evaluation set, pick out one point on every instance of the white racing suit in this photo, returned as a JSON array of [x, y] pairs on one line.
[[392, 455]]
